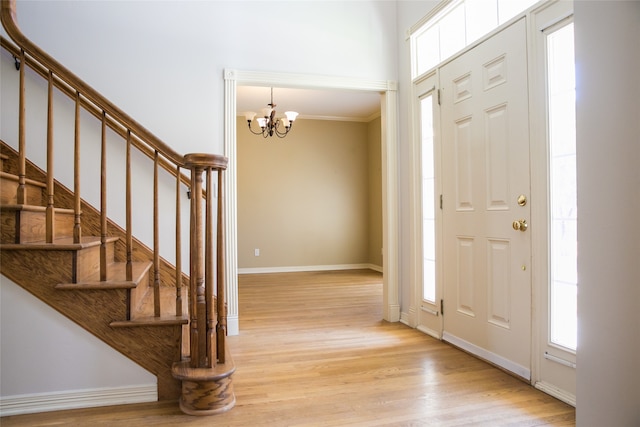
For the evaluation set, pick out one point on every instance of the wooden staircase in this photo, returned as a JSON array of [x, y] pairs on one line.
[[73, 257], [66, 275]]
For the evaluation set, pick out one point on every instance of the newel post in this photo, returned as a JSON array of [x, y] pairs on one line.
[[206, 375]]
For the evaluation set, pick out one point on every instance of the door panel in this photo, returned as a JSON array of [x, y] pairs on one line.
[[485, 168]]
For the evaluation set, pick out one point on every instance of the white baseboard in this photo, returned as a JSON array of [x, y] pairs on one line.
[[405, 318], [556, 392], [496, 359], [233, 325], [76, 399], [294, 269]]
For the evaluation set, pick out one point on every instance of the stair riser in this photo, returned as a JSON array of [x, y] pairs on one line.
[[86, 263], [137, 297], [20, 226], [9, 188], [65, 266]]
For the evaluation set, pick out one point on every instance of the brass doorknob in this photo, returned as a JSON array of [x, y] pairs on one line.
[[520, 225]]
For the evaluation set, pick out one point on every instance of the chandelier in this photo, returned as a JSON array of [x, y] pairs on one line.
[[269, 124]]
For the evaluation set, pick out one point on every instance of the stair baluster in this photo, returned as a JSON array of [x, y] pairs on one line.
[[178, 247], [156, 240], [212, 320], [77, 202], [21, 195], [221, 331], [129, 231], [50, 215], [103, 199]]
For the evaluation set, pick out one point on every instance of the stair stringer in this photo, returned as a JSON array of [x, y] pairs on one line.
[[155, 348]]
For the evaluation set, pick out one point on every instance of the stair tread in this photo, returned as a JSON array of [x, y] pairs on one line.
[[32, 208], [116, 277], [10, 176], [61, 244], [150, 321]]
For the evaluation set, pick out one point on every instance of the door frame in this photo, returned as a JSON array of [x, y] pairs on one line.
[[542, 18], [419, 308], [539, 17], [390, 227]]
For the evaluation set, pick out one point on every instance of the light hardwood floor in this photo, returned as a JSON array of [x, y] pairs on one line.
[[313, 351]]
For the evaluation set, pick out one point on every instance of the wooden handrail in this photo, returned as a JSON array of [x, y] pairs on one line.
[[9, 21], [88, 106]]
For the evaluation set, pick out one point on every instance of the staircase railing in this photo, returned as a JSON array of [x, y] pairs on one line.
[[207, 309]]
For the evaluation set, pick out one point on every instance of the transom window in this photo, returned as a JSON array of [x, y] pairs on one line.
[[457, 25]]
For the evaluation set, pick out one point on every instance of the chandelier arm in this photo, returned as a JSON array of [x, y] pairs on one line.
[[281, 134], [254, 132]]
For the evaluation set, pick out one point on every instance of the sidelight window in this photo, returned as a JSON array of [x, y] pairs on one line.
[[561, 97]]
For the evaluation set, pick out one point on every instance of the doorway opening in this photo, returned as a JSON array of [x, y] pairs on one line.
[[388, 108]]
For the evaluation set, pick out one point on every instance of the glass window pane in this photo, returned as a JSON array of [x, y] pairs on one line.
[[452, 32], [507, 9], [481, 18], [428, 200], [563, 304], [429, 269], [427, 50], [564, 213]]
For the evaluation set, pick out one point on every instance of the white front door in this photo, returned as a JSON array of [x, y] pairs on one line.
[[486, 201]]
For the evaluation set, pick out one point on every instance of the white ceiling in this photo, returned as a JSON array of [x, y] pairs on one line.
[[327, 104]]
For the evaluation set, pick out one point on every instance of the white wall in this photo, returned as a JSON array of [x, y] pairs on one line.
[[608, 158], [44, 354], [163, 61]]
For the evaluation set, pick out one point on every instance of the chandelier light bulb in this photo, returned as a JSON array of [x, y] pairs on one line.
[[291, 115]]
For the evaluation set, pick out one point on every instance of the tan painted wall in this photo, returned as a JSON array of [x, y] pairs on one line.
[[306, 200]]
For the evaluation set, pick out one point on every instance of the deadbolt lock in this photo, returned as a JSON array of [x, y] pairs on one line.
[[522, 200], [520, 225]]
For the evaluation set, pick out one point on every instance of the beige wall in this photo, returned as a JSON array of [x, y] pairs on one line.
[[306, 200]]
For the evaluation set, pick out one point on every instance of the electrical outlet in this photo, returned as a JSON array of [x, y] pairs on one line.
[[256, 252]]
